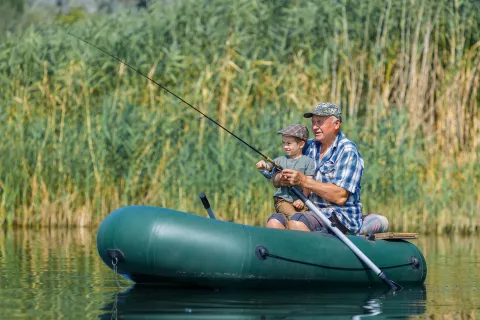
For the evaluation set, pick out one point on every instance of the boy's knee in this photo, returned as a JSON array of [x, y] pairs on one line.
[[299, 222], [277, 217]]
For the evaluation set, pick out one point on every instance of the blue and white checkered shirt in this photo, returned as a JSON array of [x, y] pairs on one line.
[[342, 165]]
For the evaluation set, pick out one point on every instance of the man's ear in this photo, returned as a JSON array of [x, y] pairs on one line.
[[337, 124]]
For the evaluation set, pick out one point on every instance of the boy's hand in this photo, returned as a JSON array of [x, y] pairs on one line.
[[262, 165], [298, 204]]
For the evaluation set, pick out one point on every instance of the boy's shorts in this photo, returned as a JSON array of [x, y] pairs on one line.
[[285, 210]]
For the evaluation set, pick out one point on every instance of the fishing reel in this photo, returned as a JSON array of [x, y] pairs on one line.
[[272, 171]]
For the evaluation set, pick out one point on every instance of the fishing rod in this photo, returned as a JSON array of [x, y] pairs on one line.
[[392, 285]]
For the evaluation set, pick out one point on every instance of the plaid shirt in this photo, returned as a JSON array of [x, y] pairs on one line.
[[342, 165]]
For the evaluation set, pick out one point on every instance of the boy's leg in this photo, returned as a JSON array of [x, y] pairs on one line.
[[309, 221], [277, 221], [284, 211]]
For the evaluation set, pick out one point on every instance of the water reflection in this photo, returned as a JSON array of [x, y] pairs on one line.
[[142, 302], [56, 273]]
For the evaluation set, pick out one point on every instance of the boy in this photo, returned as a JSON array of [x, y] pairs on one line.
[[293, 140]]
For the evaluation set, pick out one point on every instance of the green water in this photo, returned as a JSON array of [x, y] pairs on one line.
[[53, 274]]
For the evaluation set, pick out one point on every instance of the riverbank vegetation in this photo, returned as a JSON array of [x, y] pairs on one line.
[[84, 135]]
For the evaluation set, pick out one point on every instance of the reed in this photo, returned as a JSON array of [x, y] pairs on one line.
[[84, 135]]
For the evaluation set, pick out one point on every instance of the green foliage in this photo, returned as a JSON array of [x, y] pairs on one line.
[[73, 16], [10, 10], [87, 135]]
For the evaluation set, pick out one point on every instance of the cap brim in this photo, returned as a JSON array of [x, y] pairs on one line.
[[308, 115]]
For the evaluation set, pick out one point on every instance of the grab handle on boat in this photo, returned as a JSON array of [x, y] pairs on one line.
[[206, 205], [345, 240]]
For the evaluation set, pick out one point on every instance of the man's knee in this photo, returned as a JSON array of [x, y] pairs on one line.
[[384, 225], [374, 223]]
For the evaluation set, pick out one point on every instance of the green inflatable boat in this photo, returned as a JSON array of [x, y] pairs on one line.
[[161, 246]]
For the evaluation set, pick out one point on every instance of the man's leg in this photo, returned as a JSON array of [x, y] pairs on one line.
[[374, 223]]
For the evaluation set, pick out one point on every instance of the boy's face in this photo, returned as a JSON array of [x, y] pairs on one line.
[[292, 145]]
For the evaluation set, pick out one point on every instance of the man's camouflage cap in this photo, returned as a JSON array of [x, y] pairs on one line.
[[295, 130], [325, 109]]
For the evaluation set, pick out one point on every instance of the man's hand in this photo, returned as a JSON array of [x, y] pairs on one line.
[[292, 178], [298, 204], [262, 165]]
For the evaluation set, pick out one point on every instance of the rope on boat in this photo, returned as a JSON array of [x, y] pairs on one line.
[[115, 270], [117, 256], [262, 253], [115, 302]]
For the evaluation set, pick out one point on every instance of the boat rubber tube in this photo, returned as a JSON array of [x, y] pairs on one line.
[[166, 247]]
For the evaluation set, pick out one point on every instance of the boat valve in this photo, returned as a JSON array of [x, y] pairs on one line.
[[415, 262], [261, 252], [370, 237]]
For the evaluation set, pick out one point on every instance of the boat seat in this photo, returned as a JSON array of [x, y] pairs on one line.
[[396, 235]]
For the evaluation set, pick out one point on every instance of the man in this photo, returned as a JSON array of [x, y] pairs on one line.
[[335, 187]]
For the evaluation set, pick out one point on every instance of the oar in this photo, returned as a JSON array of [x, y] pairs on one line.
[[345, 240], [206, 205]]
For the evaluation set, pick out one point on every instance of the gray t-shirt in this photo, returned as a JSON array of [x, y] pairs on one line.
[[304, 164]]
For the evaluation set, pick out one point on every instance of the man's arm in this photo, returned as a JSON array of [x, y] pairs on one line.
[[327, 191], [306, 192]]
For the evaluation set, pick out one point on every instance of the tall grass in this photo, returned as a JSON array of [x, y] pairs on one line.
[[10, 10], [84, 135]]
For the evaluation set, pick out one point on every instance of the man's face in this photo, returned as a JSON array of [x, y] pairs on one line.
[[325, 128]]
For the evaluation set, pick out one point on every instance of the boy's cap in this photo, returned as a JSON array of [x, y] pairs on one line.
[[325, 109], [295, 130]]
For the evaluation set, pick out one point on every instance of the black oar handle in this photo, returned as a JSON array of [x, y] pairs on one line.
[[205, 202]]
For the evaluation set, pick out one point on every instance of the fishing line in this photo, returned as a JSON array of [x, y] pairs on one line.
[[176, 96]]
